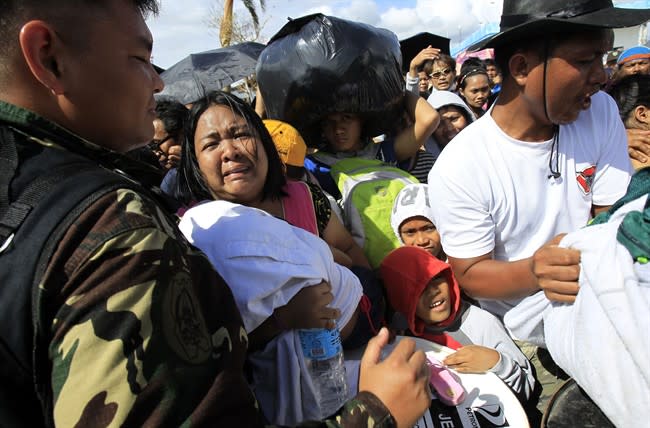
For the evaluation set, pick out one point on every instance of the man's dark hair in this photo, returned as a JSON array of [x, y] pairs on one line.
[[630, 92], [447, 59], [15, 13], [173, 115], [489, 61], [191, 183], [542, 44]]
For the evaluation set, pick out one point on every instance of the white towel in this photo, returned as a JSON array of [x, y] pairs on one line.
[[266, 261], [603, 339]]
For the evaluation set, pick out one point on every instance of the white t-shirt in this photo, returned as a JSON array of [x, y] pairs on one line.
[[490, 192]]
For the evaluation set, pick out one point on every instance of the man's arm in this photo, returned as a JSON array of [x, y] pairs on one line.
[[553, 269], [485, 278]]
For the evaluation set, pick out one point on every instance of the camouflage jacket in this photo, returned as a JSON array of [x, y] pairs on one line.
[[139, 329]]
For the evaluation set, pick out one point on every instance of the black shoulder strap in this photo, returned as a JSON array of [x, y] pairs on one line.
[[18, 210], [8, 165], [34, 217]]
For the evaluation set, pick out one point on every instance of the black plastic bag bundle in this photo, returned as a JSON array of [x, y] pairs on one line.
[[320, 64]]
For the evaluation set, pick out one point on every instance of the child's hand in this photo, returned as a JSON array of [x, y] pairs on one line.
[[309, 308], [472, 359]]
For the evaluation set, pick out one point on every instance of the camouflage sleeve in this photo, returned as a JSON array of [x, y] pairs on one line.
[[140, 330], [364, 410]]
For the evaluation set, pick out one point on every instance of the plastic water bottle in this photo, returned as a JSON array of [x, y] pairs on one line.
[[323, 354]]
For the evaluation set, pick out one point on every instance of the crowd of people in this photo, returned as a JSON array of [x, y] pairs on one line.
[[157, 258]]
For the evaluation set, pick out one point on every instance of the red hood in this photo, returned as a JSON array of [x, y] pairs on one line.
[[406, 272]]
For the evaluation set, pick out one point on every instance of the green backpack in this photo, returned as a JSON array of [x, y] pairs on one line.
[[368, 189]]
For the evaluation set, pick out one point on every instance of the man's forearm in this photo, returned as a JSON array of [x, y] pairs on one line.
[[495, 279]]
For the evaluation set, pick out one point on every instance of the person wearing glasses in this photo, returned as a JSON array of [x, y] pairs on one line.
[[443, 73], [166, 143], [168, 127], [418, 79]]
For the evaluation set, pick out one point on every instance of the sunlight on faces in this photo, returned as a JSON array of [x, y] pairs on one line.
[[442, 75], [476, 91], [423, 83], [343, 132], [230, 156], [641, 66], [434, 305], [575, 72], [452, 121], [420, 232], [109, 87], [163, 142]]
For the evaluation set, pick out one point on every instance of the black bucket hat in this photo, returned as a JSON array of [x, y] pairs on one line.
[[524, 18]]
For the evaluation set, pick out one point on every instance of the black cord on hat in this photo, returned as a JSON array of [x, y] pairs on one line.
[[555, 148], [555, 145]]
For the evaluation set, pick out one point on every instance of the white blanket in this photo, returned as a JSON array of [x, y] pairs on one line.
[[603, 339], [266, 261]]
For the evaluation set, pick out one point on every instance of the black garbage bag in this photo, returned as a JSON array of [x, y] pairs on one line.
[[318, 64]]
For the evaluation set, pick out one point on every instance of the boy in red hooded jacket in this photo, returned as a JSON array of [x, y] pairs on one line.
[[424, 290]]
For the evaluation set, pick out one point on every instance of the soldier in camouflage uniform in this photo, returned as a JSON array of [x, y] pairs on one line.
[[132, 324]]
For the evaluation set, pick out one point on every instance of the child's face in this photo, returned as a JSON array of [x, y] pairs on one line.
[[343, 132], [420, 232], [434, 305]]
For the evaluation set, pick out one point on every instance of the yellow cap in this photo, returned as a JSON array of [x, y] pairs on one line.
[[288, 142]]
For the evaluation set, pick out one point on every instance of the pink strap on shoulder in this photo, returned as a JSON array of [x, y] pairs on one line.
[[299, 207]]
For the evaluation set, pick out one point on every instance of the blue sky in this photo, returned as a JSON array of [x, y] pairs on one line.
[[182, 28]]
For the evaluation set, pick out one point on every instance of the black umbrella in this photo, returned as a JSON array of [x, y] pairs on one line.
[[199, 73], [411, 46]]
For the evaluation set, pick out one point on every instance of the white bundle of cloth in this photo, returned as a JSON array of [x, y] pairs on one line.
[[603, 339], [266, 261]]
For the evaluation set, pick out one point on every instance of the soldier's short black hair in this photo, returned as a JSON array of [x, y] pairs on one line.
[[15, 13]]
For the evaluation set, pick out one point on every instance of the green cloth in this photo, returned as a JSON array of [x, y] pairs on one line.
[[634, 231]]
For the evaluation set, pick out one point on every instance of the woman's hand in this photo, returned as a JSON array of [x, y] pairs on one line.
[[472, 359]]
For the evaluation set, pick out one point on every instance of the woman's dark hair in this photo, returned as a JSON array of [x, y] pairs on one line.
[[630, 92], [191, 183]]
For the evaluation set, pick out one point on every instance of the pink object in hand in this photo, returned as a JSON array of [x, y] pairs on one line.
[[448, 389]]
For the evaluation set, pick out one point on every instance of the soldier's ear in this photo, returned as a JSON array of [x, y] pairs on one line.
[[41, 50]]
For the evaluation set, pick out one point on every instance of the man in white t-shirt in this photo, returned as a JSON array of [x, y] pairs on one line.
[[550, 154]]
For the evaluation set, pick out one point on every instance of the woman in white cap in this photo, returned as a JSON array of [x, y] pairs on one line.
[[455, 115]]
